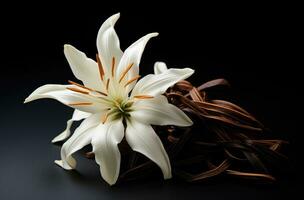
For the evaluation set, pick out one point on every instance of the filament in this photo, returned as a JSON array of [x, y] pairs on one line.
[[132, 80], [79, 85], [143, 96], [80, 104], [113, 66], [101, 71], [125, 72], [77, 90], [107, 85]]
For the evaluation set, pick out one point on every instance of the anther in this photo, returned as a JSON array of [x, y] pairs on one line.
[[79, 85], [113, 66], [132, 80], [77, 90], [107, 85], [101, 71], [143, 96], [125, 71], [80, 104]]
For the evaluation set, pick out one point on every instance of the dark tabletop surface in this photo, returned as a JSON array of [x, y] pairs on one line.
[[248, 49]]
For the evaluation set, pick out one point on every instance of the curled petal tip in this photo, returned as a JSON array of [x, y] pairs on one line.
[[111, 182], [153, 34], [160, 67], [65, 46], [55, 140], [150, 35], [68, 47], [117, 15], [190, 122], [190, 71], [112, 20], [59, 163], [168, 176], [28, 99]]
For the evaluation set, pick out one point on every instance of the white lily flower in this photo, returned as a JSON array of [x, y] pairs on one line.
[[78, 115], [114, 105]]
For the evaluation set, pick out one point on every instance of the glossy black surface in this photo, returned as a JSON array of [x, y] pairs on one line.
[[251, 46]]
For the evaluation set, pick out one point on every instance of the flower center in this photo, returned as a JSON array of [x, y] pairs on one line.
[[114, 96], [119, 109], [122, 107]]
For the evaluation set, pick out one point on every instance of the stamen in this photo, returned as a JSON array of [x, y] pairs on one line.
[[101, 71], [132, 80], [143, 96], [102, 93], [79, 85], [107, 85], [77, 90], [113, 66], [80, 104], [125, 72]]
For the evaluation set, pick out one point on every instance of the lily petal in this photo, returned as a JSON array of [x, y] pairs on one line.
[[142, 138], [105, 139], [108, 44], [81, 137], [158, 84], [68, 97], [83, 68], [158, 111], [160, 67], [77, 116], [132, 56]]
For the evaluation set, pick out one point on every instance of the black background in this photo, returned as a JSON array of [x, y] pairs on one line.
[[253, 46]]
